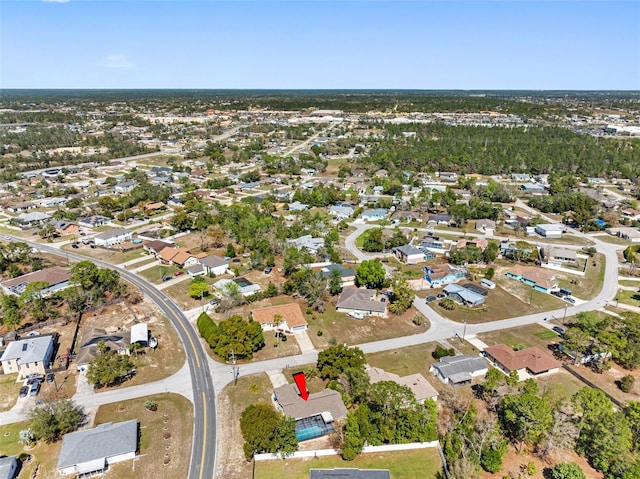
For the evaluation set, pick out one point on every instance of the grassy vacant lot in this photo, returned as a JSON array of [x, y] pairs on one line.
[[423, 463], [165, 436], [155, 274], [345, 329], [629, 297], [110, 256], [232, 400], [502, 303], [589, 285], [9, 390], [44, 456], [525, 336], [607, 238], [560, 385]]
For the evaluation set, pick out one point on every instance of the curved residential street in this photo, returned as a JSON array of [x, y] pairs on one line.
[[207, 376], [200, 387]]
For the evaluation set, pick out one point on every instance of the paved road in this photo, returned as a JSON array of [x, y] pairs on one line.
[[203, 457]]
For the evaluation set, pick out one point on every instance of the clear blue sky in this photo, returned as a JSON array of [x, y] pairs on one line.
[[320, 44]]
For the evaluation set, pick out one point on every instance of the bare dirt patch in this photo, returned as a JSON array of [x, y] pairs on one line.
[[151, 365]]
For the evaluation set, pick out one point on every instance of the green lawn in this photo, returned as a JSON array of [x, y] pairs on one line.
[[9, 390], [613, 239], [361, 239], [339, 327], [629, 282], [44, 455], [524, 336], [419, 463], [629, 297], [155, 274], [501, 304], [405, 361]]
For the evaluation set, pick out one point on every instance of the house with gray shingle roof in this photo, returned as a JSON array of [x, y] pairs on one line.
[[92, 451], [459, 369], [361, 300], [28, 356]]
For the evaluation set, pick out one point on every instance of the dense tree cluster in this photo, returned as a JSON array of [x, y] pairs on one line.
[[108, 367], [231, 336], [370, 274], [491, 150], [266, 430], [593, 333], [50, 421]]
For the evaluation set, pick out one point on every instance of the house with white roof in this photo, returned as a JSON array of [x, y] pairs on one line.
[[112, 237]]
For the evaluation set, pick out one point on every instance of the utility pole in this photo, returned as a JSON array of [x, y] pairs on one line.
[[464, 331], [564, 319], [236, 369]]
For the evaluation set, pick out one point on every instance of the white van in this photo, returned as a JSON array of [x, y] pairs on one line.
[[488, 284]]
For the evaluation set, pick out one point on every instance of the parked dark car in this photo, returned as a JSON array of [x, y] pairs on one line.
[[75, 245], [559, 330], [569, 299], [34, 379], [24, 390], [50, 377], [430, 298], [35, 389], [167, 278]]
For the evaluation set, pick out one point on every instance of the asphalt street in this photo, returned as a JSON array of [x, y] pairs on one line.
[[203, 457]]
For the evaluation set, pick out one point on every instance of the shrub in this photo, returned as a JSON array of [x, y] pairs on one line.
[[531, 468], [418, 320], [151, 405], [626, 383], [447, 303], [490, 273], [441, 352], [319, 333]]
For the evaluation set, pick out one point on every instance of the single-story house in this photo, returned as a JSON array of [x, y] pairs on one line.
[[409, 254], [91, 451], [112, 237], [435, 244], [89, 345], [93, 221], [341, 212], [527, 362], [439, 219], [23, 206], [214, 265], [480, 243], [486, 226], [154, 247], [65, 228], [627, 233], [559, 256], [374, 214], [349, 473], [28, 356], [297, 206], [8, 467], [420, 387], [139, 334], [318, 409], [596, 181], [463, 295], [540, 279], [459, 369], [347, 275], [56, 277], [550, 230], [407, 216], [308, 242], [125, 186], [32, 219], [242, 285], [532, 188], [361, 300], [443, 273], [291, 318]]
